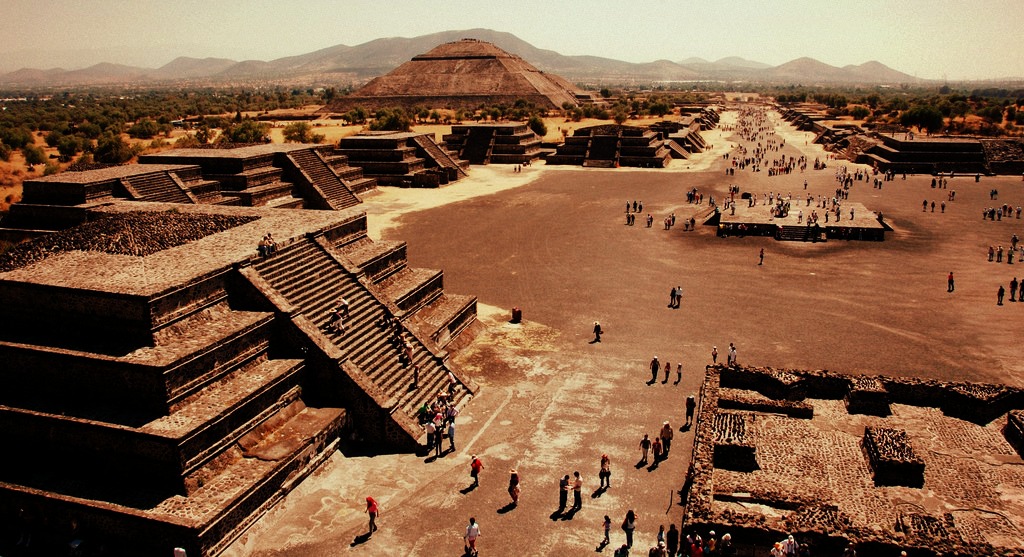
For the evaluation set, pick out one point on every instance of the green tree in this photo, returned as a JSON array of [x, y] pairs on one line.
[[925, 117], [435, 116], [144, 129], [391, 119], [112, 149], [68, 147], [248, 131], [620, 115], [605, 93], [50, 169], [536, 124], [33, 155], [5, 151], [301, 132], [859, 112], [355, 116]]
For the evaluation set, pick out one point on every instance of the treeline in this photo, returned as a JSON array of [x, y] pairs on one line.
[[91, 122], [997, 110]]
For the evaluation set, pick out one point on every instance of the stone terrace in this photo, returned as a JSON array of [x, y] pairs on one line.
[[813, 477]]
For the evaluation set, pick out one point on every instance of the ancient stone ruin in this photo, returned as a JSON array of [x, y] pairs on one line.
[[164, 384], [464, 74], [402, 159], [827, 458]]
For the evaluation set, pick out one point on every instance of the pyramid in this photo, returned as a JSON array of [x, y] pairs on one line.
[[462, 74]]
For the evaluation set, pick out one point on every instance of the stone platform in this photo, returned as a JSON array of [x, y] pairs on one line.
[[758, 221]]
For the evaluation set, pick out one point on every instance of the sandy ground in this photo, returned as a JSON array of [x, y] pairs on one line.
[[553, 242]]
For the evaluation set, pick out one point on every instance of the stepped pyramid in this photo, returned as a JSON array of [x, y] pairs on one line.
[[461, 74], [161, 385]]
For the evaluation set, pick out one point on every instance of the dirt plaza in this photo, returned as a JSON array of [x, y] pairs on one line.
[[553, 241]]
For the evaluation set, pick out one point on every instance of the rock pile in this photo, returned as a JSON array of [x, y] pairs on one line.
[[135, 233]]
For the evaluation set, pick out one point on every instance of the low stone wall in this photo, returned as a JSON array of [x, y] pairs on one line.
[[891, 457]]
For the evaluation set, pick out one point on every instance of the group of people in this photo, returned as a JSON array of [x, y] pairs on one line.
[[670, 543], [997, 213], [656, 364], [1013, 292], [659, 446], [437, 420], [267, 246]]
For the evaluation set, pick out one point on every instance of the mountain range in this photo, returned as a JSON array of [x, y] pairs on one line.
[[344, 65]]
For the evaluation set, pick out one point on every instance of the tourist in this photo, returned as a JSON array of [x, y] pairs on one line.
[[563, 492], [271, 244], [658, 449], [691, 405], [679, 373], [605, 475], [431, 430], [607, 525], [451, 435], [760, 260], [343, 307], [672, 298], [949, 282], [645, 448], [668, 369], [513, 486], [726, 548], [1013, 290], [597, 332], [475, 466], [628, 526], [373, 510], [790, 547], [672, 540], [714, 355], [655, 366], [732, 355], [999, 295], [472, 533], [679, 295], [438, 438], [577, 491], [666, 437]]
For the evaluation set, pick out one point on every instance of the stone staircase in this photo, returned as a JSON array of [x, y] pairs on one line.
[[157, 187], [477, 148], [795, 233], [312, 280], [323, 176], [440, 156]]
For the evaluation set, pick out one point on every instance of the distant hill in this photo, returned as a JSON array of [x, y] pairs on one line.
[[345, 65]]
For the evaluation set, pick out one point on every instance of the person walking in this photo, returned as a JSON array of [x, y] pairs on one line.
[[475, 466], [732, 355], [607, 525], [605, 475], [760, 259], [472, 533], [949, 282], [672, 540], [597, 331], [679, 373], [655, 366], [373, 510], [628, 526], [513, 486], [691, 405], [714, 355], [999, 295], [645, 448], [451, 435], [672, 298], [1013, 291], [666, 437], [577, 491]]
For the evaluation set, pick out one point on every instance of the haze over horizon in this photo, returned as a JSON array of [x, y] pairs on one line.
[[918, 37]]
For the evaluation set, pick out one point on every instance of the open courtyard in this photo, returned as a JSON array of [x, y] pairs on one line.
[[554, 242]]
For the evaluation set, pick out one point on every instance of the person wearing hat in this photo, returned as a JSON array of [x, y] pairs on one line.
[[513, 486], [666, 437], [714, 355]]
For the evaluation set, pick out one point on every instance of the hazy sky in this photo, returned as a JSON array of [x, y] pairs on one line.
[[953, 39]]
